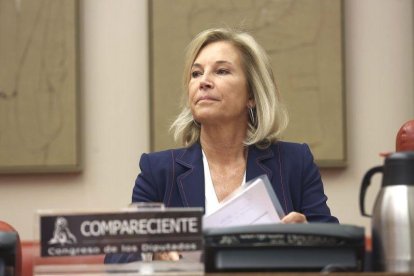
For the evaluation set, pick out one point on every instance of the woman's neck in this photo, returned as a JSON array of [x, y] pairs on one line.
[[227, 159], [223, 145]]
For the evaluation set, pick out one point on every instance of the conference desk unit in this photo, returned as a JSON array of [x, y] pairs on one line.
[[238, 273], [243, 274], [260, 249]]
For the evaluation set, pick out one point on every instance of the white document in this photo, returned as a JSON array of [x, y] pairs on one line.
[[254, 203]]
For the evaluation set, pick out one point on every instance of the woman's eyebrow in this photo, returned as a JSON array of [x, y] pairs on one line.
[[223, 62], [217, 62], [196, 65]]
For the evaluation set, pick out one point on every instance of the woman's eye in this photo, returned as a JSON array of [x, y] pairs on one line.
[[223, 71], [195, 74]]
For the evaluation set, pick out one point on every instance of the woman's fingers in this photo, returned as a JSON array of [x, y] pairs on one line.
[[167, 256], [294, 217]]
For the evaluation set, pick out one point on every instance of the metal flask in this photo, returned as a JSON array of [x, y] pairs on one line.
[[393, 214]]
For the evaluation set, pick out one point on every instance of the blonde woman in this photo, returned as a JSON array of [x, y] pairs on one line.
[[229, 125]]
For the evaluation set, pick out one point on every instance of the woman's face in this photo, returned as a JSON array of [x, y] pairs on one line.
[[218, 87]]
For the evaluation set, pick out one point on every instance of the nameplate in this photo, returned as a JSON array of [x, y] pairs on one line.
[[177, 229]]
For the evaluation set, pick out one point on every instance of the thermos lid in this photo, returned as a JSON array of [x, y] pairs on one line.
[[399, 169]]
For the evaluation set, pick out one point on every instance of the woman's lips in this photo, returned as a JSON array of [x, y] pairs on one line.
[[206, 98]]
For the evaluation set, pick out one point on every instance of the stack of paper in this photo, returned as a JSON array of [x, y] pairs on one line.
[[254, 203]]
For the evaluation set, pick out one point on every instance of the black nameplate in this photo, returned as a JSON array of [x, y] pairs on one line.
[[127, 232]]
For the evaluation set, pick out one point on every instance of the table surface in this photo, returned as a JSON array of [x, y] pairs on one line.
[[195, 269]]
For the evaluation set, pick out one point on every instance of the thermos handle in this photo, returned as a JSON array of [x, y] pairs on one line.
[[365, 183]]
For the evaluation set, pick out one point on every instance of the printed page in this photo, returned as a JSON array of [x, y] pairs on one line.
[[254, 204]]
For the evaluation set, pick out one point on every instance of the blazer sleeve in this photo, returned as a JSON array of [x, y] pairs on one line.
[[313, 205], [145, 188]]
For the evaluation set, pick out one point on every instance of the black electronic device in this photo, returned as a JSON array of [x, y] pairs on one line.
[[285, 247], [8, 252]]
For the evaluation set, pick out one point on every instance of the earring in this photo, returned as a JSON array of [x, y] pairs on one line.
[[251, 115]]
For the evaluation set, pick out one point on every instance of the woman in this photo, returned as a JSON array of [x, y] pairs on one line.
[[230, 124]]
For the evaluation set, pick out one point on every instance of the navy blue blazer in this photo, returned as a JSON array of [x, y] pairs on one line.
[[176, 178]]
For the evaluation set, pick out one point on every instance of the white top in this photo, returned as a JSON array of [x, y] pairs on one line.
[[211, 201], [211, 204]]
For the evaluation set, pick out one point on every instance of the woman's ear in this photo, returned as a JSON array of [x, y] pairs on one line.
[[251, 103]]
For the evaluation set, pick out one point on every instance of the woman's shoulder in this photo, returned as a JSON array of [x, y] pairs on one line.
[[290, 146], [291, 150], [158, 160], [164, 153], [169, 153]]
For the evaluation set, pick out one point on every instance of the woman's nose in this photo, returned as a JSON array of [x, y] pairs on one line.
[[205, 82]]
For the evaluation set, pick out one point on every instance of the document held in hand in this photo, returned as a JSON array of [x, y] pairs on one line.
[[253, 203]]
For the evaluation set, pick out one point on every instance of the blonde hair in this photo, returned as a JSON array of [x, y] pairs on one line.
[[271, 115]]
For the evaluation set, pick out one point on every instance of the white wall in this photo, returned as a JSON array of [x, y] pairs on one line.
[[379, 93], [115, 110]]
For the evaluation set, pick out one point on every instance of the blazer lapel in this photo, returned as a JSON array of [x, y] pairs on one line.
[[268, 162], [256, 163], [191, 182]]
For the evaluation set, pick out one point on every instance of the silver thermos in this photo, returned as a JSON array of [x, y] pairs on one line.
[[393, 214]]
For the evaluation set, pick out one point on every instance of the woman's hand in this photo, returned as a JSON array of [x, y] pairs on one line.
[[294, 217], [167, 256]]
